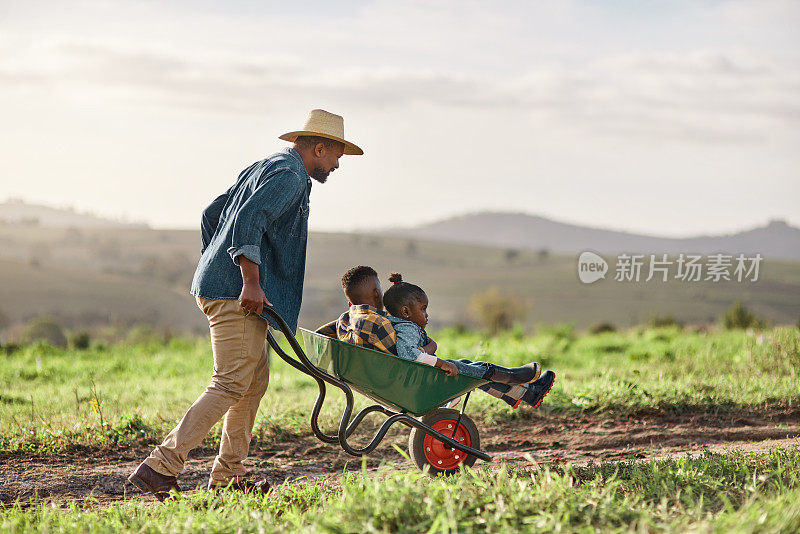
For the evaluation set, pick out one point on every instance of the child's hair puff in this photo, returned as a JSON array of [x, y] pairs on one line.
[[401, 294]]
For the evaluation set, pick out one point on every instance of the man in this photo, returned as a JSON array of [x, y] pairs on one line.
[[254, 250]]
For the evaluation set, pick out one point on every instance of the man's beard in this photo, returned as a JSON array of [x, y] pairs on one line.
[[320, 175]]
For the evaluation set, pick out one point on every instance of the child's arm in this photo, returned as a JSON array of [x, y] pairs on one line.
[[430, 348], [448, 367]]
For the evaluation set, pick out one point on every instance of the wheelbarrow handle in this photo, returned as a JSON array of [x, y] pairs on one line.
[[321, 377]]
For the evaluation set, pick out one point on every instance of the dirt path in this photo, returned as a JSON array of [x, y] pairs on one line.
[[101, 474]]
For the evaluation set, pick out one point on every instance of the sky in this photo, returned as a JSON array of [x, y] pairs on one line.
[[668, 118]]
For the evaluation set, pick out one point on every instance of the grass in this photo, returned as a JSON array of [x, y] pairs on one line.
[[652, 369], [53, 399], [723, 492]]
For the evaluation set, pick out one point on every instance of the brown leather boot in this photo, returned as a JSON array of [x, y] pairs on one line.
[[246, 486], [150, 481]]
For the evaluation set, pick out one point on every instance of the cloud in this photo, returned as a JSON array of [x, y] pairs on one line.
[[610, 110], [705, 96], [533, 63]]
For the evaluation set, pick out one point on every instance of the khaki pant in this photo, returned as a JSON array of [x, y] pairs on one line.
[[241, 374]]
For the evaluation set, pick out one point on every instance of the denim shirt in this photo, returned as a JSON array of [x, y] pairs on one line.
[[263, 217], [410, 337]]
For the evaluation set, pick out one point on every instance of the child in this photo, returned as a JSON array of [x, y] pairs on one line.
[[364, 323], [408, 305]]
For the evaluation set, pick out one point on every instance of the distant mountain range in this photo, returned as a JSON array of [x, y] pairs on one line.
[[521, 231], [15, 211], [497, 229]]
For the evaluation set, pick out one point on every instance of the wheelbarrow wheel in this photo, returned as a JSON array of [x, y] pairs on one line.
[[441, 459]]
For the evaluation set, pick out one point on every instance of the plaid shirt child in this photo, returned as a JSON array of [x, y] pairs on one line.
[[367, 326]]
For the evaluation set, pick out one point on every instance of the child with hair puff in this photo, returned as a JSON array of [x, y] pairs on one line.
[[408, 307]]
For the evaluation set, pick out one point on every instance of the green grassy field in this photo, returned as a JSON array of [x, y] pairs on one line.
[[730, 492], [52, 398], [117, 396]]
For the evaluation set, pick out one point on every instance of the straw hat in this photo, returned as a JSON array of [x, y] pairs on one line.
[[327, 125]]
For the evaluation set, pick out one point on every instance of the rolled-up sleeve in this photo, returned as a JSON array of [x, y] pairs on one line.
[[272, 198]]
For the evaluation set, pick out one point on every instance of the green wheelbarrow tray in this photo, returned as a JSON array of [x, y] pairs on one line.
[[404, 389], [403, 385]]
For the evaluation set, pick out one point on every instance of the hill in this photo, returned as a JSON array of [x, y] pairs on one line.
[[15, 211], [97, 276], [517, 230], [80, 298]]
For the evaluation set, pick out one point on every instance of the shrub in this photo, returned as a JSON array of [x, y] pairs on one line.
[[517, 332], [43, 348], [144, 334], [543, 254], [737, 316], [561, 331], [11, 348], [46, 330], [496, 312], [640, 356], [599, 328], [80, 340], [660, 321], [460, 328], [133, 425]]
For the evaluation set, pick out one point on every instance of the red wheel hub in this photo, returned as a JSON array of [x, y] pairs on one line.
[[440, 455]]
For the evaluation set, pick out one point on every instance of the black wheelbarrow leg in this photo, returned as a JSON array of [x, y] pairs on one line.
[[346, 428], [320, 396], [461, 413], [304, 365]]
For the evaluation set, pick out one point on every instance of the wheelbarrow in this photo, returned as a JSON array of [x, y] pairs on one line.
[[414, 394]]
